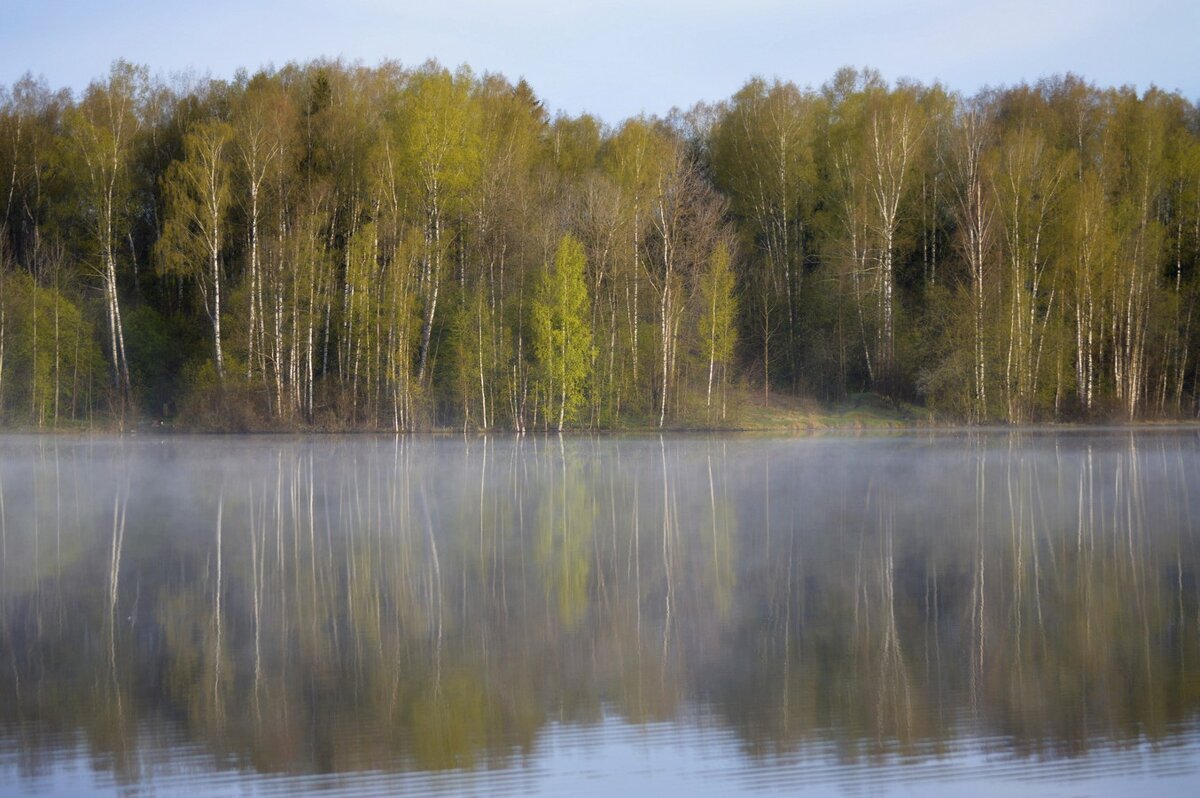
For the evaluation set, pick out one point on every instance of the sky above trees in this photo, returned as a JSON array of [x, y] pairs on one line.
[[617, 58]]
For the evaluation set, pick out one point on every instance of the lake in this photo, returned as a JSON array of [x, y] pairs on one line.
[[1005, 613]]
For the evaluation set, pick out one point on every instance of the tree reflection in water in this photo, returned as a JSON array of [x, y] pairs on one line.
[[393, 604]]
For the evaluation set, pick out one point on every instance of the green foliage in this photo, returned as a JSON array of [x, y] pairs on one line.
[[718, 315], [49, 360], [437, 136], [562, 338], [719, 306], [196, 192]]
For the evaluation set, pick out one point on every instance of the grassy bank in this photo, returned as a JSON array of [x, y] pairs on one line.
[[756, 413]]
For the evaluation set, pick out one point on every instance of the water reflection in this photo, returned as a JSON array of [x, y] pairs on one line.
[[357, 607]]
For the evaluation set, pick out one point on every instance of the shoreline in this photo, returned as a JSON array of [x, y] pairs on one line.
[[848, 430], [750, 415]]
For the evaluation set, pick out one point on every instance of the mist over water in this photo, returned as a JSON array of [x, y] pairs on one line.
[[1006, 613]]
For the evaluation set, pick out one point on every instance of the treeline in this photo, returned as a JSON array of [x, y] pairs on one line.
[[336, 246]]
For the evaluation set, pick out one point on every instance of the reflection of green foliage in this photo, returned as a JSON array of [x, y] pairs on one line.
[[450, 723], [193, 658], [564, 522], [720, 531]]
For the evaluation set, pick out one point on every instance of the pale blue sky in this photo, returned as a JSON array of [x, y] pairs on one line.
[[616, 58]]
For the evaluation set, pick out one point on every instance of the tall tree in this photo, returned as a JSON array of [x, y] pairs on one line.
[[102, 128], [259, 122], [974, 214], [562, 337], [762, 157], [717, 327], [437, 131], [197, 193]]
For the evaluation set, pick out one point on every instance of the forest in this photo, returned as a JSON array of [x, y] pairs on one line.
[[334, 246]]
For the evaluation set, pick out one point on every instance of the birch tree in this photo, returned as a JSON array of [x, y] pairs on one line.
[[717, 323], [974, 213], [1027, 181], [873, 139], [762, 156], [197, 193], [259, 123], [894, 129], [101, 129], [438, 136]]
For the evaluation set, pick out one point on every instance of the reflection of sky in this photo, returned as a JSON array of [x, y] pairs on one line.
[[619, 57], [688, 756]]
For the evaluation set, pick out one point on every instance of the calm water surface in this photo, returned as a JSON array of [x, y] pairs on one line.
[[1006, 614]]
